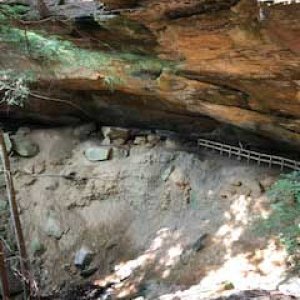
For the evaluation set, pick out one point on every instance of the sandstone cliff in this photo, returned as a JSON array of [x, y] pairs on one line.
[[182, 65]]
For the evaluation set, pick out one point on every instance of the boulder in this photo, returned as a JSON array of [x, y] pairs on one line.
[[83, 257], [53, 227], [114, 133], [97, 153], [24, 147]]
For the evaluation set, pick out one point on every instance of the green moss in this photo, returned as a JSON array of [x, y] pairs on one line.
[[58, 54], [12, 11]]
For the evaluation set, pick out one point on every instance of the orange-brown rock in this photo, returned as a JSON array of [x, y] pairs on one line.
[[217, 62]]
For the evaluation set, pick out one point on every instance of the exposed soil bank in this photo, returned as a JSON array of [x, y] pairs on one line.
[[160, 221]]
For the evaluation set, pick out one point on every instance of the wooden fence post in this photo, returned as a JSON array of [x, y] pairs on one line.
[[3, 274]]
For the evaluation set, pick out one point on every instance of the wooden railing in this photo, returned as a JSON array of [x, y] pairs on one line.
[[249, 155]]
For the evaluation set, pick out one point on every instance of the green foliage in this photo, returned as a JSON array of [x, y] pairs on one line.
[[12, 11], [13, 88], [284, 220]]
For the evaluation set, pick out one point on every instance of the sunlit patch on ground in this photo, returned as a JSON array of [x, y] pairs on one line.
[[259, 265]]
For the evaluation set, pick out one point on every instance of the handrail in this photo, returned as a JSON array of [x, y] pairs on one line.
[[251, 155]]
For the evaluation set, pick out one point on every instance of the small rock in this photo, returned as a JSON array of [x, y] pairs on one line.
[[25, 147], [119, 142], [140, 140], [85, 130], [36, 247], [83, 257], [53, 227], [97, 153], [118, 153], [115, 133], [153, 139]]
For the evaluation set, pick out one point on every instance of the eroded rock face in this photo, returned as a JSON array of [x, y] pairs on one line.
[[211, 62]]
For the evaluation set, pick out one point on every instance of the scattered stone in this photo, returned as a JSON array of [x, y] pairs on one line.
[[119, 142], [85, 130], [118, 153], [83, 258], [53, 227], [166, 174], [153, 139], [25, 147], [97, 153], [115, 133], [36, 247], [140, 140]]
